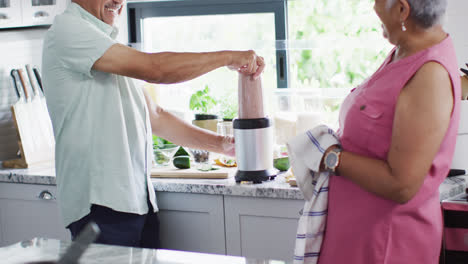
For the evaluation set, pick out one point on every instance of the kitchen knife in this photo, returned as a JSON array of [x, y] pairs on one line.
[[464, 71], [39, 79], [19, 92], [27, 113], [23, 83], [454, 172], [14, 84], [32, 80], [18, 85], [78, 247], [89, 234]]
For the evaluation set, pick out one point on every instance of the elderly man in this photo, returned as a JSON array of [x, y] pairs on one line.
[[103, 123]]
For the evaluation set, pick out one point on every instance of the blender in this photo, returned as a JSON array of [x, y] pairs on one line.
[[253, 134]]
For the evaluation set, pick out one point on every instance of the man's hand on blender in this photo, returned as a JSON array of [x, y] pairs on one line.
[[247, 62]]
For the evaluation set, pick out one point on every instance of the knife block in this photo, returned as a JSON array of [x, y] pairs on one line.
[[35, 135]]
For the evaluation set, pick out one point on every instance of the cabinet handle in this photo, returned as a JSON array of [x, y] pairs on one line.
[[46, 195], [3, 16], [41, 14]]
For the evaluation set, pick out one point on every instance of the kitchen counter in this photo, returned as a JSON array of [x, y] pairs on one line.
[[42, 249], [278, 188]]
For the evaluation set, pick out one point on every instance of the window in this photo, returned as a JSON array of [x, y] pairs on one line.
[[43, 2], [318, 50], [335, 45], [208, 33], [4, 3], [209, 25]]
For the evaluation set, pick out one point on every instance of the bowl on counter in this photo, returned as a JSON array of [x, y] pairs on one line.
[[163, 154], [201, 158]]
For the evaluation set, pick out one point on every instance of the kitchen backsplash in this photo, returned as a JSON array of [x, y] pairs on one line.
[[18, 47]]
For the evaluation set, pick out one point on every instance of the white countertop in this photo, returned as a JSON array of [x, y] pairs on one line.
[[42, 249], [45, 174]]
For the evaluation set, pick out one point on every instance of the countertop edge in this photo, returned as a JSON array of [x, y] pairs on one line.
[[277, 188]]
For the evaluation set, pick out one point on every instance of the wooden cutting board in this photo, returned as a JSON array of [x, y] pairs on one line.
[[171, 172]]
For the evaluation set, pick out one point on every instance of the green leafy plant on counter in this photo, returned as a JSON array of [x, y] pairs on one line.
[[202, 102], [229, 108]]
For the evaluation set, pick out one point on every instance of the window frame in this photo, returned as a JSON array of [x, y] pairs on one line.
[[139, 10]]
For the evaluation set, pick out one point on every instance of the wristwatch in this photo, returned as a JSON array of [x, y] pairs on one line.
[[332, 159]]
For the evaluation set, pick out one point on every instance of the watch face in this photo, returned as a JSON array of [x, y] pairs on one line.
[[331, 160]]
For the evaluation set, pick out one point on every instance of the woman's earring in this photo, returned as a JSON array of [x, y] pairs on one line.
[[403, 26]]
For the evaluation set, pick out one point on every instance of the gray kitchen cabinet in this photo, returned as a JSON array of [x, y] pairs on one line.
[[208, 223], [192, 222], [28, 211], [262, 228]]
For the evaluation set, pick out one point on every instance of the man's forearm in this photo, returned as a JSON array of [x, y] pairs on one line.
[[172, 67], [169, 67], [174, 129]]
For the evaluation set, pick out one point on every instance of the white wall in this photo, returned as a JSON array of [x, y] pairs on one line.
[[457, 26], [19, 47]]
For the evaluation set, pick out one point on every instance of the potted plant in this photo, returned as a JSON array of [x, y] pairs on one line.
[[228, 111], [229, 108], [204, 106]]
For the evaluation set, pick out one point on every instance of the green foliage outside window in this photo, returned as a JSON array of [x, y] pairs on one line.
[[333, 46], [344, 39]]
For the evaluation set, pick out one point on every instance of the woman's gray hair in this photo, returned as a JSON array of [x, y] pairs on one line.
[[425, 13]]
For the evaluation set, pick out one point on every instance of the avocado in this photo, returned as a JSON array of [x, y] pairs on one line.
[[281, 164], [181, 152], [181, 162]]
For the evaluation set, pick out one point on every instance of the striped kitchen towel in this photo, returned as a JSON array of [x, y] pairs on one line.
[[305, 152]]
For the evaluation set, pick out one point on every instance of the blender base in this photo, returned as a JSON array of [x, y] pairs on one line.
[[256, 176]]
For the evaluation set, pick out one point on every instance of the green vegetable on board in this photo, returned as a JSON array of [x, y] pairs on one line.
[[282, 164], [181, 152], [181, 162]]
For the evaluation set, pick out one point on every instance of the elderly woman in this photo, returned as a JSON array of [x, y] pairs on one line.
[[398, 133]]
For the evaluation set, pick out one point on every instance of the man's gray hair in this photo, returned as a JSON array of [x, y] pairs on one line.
[[425, 13]]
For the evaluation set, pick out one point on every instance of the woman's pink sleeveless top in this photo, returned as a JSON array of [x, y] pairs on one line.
[[363, 228]]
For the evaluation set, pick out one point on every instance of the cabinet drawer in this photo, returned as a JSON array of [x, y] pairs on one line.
[[10, 13], [28, 211], [41, 12], [29, 192], [192, 222], [261, 228]]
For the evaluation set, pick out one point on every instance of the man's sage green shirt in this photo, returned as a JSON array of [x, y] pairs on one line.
[[102, 130]]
